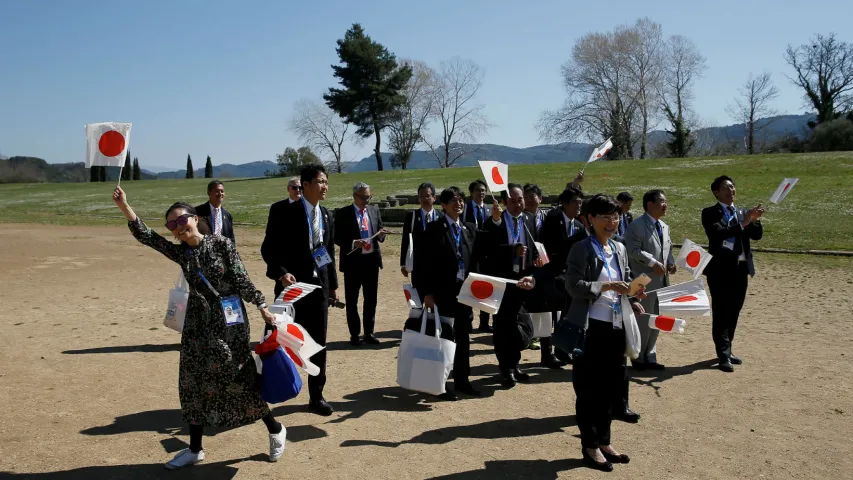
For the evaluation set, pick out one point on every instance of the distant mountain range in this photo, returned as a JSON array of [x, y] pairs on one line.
[[729, 138]]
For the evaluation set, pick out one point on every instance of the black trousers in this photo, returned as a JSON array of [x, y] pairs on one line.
[[363, 272], [484, 319], [463, 320], [728, 293], [598, 377], [505, 324], [312, 312]]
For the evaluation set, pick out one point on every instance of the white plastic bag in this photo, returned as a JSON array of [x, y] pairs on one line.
[[410, 252], [176, 311], [633, 342], [424, 361], [542, 324]]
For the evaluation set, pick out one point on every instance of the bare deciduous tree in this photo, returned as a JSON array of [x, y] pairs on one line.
[[752, 106], [684, 64], [824, 69], [459, 116], [408, 125], [322, 129], [645, 66]]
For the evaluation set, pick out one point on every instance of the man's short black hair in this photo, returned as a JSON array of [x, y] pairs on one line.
[[310, 172], [510, 186], [474, 184], [449, 193], [651, 196], [569, 194], [428, 185], [625, 197], [715, 185], [212, 185], [532, 187]]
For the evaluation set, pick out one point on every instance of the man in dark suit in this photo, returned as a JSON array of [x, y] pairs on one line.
[[477, 212], [625, 200], [729, 231], [509, 252], [218, 220], [356, 226], [443, 262], [416, 222], [298, 247]]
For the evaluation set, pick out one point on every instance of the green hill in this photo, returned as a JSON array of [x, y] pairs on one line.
[[814, 216]]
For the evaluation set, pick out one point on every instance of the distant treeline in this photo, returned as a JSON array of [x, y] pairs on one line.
[[37, 170]]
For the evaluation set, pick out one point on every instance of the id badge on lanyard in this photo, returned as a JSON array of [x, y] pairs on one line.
[[321, 257], [232, 308], [617, 314]]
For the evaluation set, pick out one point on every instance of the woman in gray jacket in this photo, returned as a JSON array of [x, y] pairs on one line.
[[598, 276]]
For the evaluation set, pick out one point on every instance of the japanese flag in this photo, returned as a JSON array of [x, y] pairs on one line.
[[688, 299], [483, 292], [295, 292], [667, 324], [600, 151], [496, 173], [693, 258], [412, 297], [106, 144], [298, 344], [784, 189]]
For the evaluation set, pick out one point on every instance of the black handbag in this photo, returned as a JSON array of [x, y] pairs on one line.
[[569, 337]]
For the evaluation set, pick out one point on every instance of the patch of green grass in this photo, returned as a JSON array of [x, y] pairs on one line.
[[816, 215]]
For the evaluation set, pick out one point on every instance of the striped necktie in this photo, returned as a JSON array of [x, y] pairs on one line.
[[315, 228]]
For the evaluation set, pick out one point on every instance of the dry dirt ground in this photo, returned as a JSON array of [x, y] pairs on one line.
[[88, 379]]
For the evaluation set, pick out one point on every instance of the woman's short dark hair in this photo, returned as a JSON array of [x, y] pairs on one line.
[[601, 204], [449, 193], [715, 185], [185, 206]]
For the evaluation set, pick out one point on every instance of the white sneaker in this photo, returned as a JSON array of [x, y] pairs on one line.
[[277, 444], [183, 458]]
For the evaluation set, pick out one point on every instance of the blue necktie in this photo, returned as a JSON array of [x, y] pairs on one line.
[[660, 232]]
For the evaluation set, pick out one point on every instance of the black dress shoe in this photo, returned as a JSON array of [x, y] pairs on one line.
[[448, 396], [371, 339], [509, 380], [320, 407], [564, 357], [621, 458], [726, 366], [355, 341], [591, 463], [486, 329], [467, 389], [639, 366], [521, 376], [655, 366], [627, 416], [552, 362], [735, 360]]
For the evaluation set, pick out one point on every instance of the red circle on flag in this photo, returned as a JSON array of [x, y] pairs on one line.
[[294, 330], [686, 298], [481, 289], [407, 294], [496, 176], [111, 144], [665, 323], [294, 357], [291, 294], [693, 258]]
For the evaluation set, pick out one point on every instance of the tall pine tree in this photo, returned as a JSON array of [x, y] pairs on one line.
[[190, 173], [208, 168], [126, 171], [137, 174], [371, 81]]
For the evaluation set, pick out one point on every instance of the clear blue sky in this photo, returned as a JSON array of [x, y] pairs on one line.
[[219, 78]]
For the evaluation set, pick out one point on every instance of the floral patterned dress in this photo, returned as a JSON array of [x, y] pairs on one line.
[[217, 383]]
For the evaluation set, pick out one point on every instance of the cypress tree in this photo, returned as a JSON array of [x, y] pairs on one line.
[[189, 167], [126, 171], [137, 174], [208, 168]]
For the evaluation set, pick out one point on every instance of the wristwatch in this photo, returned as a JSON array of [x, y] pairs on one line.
[[262, 306]]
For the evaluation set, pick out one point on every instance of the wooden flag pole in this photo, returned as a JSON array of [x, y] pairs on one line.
[[119, 175]]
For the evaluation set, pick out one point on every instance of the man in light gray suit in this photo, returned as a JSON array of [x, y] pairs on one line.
[[650, 251]]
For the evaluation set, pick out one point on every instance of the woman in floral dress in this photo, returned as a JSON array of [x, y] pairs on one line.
[[217, 383]]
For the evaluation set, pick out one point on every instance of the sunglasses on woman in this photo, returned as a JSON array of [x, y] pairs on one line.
[[180, 221]]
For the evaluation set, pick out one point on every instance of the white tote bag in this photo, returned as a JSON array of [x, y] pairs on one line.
[[410, 252], [633, 342], [424, 361], [176, 311], [542, 325]]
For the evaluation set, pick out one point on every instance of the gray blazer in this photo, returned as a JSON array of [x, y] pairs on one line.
[[584, 268], [644, 247]]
